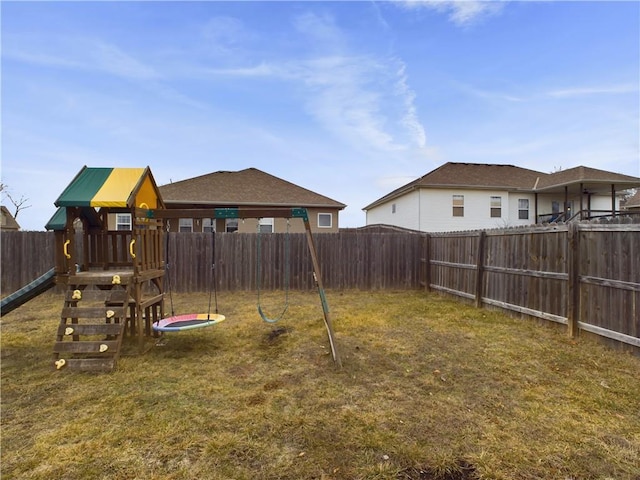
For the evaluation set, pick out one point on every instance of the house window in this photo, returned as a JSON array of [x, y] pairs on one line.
[[458, 205], [265, 225], [496, 207], [393, 208], [523, 209], [208, 225], [325, 220], [123, 221], [185, 225], [231, 225]]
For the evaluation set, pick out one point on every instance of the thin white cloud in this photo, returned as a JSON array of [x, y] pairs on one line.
[[601, 90], [486, 94], [94, 55], [460, 12], [111, 59], [360, 98], [410, 119], [79, 54], [364, 100], [263, 69]]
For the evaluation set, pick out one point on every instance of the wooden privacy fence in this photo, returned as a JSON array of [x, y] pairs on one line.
[[586, 276], [358, 260]]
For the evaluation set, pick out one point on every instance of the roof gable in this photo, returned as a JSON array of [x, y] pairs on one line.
[[7, 220], [245, 187], [111, 187]]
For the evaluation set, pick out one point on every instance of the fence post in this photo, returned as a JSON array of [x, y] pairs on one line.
[[426, 262], [573, 285], [480, 268]]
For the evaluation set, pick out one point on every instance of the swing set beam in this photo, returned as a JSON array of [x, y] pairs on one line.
[[269, 212]]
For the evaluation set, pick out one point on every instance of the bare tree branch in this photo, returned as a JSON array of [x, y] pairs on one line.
[[19, 204]]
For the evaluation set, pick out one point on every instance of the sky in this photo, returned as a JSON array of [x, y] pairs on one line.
[[348, 99]]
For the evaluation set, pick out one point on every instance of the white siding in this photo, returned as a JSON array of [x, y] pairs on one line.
[[405, 215], [431, 209], [437, 210]]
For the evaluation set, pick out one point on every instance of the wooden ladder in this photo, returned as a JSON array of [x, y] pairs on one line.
[[92, 325]]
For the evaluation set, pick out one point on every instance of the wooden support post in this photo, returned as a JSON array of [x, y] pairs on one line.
[[318, 279], [480, 268], [573, 285]]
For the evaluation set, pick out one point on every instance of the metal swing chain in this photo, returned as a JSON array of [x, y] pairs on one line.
[[258, 275]]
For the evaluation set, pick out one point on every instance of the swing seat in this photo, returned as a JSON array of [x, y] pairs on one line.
[[188, 321], [271, 320]]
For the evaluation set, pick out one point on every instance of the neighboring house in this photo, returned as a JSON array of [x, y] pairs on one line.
[[468, 196], [7, 221], [249, 188], [633, 203]]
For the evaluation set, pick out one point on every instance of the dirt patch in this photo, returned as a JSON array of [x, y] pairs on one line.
[[273, 336]]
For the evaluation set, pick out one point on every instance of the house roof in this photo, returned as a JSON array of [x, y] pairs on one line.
[[469, 175], [245, 187], [587, 176], [512, 178], [8, 222], [110, 187], [634, 201]]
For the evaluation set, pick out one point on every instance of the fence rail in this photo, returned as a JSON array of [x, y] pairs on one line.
[[585, 276]]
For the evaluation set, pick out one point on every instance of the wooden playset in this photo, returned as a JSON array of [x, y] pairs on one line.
[[114, 279]]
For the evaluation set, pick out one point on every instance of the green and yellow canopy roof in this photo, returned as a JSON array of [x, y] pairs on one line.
[[118, 188], [110, 187]]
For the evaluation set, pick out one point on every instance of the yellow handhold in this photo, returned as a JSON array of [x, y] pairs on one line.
[[77, 295], [104, 348], [68, 331], [60, 363], [110, 313], [116, 280]]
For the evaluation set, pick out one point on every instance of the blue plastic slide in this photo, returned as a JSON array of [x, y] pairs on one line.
[[26, 293]]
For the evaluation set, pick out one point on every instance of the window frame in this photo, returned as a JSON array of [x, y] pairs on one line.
[[322, 214], [123, 225], [495, 210], [185, 225], [522, 210], [268, 223], [210, 226], [231, 225], [457, 204]]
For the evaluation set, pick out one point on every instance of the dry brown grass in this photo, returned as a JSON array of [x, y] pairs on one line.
[[430, 388]]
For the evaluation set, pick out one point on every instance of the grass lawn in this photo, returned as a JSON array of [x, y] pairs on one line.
[[430, 389]]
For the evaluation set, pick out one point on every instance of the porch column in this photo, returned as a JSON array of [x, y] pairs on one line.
[[613, 199], [581, 207]]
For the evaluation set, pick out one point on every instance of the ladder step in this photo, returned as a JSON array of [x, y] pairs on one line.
[[90, 364], [93, 312], [108, 347], [97, 295], [91, 329]]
